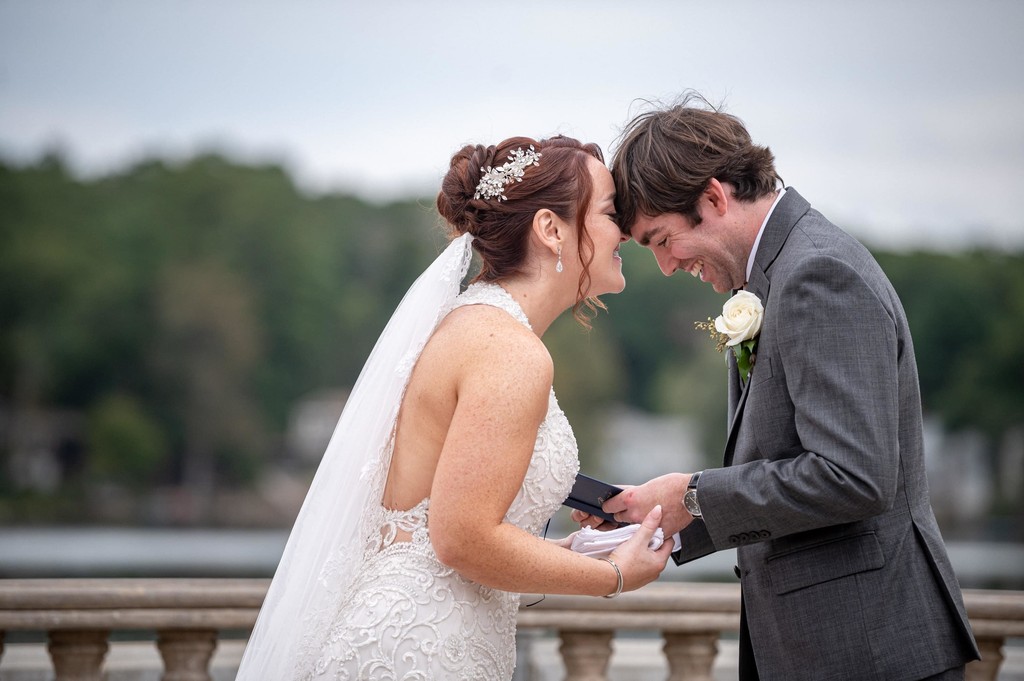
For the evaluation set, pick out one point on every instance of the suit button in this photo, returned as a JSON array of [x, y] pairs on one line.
[[733, 539], [765, 534]]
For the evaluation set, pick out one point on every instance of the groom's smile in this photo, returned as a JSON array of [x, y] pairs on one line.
[[705, 250], [673, 240]]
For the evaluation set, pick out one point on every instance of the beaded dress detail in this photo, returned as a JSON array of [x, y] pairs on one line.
[[406, 615]]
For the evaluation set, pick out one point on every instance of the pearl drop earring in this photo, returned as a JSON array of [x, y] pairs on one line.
[[558, 265]]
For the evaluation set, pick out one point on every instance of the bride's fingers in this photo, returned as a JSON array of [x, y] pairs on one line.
[[643, 564], [666, 549], [592, 521], [651, 522], [584, 518], [648, 527]]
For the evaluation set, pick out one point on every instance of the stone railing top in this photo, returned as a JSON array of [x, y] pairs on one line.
[[130, 604], [85, 594], [65, 604]]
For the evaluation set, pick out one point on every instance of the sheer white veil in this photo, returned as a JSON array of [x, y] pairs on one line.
[[325, 547]]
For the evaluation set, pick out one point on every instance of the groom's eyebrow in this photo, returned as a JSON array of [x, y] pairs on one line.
[[645, 238]]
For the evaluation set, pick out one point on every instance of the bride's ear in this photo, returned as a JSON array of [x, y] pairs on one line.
[[548, 230]]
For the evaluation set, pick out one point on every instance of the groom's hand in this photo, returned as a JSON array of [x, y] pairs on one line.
[[634, 503]]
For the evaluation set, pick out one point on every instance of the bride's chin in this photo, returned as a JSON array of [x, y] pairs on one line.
[[612, 288]]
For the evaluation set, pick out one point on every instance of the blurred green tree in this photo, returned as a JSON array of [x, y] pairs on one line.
[[126, 446], [188, 307]]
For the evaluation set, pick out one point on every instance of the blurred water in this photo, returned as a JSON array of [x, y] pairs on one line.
[[139, 552], [135, 552]]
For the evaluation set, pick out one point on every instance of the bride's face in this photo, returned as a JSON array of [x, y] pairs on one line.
[[606, 266]]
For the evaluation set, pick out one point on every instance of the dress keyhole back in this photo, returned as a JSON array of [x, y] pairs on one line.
[[408, 615]]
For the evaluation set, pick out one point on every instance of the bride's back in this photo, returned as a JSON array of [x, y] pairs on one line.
[[461, 345]]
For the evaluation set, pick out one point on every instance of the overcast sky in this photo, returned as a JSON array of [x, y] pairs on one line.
[[902, 121]]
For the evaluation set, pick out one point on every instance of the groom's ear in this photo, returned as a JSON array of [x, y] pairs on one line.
[[717, 197], [548, 229]]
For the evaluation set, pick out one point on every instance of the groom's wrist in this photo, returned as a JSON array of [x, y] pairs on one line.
[[690, 500]]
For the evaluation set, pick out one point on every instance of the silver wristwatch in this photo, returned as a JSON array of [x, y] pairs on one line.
[[690, 498]]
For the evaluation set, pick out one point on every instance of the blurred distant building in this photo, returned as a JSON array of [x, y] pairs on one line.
[[639, 446], [959, 477], [43, 446], [1011, 465]]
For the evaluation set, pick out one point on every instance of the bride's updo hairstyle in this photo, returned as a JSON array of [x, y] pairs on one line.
[[500, 226]]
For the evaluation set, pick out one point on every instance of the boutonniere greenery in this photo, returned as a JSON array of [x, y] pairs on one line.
[[737, 328]]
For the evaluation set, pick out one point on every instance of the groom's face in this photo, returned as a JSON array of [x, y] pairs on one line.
[[702, 249]]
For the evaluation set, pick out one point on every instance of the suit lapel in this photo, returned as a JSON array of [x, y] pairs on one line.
[[735, 388], [737, 397], [790, 209]]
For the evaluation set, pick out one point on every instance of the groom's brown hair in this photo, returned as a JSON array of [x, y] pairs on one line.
[[665, 159]]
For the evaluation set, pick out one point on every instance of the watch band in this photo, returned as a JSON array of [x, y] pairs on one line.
[[690, 502]]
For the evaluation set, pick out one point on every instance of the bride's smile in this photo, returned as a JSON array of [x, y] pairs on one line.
[[606, 268]]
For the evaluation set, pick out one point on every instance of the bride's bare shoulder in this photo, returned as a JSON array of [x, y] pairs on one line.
[[484, 335]]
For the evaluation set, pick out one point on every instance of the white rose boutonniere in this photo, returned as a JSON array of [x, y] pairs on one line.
[[737, 328]]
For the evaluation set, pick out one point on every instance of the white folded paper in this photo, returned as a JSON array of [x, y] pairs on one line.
[[595, 543]]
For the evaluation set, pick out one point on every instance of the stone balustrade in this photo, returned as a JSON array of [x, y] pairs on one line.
[[188, 616]]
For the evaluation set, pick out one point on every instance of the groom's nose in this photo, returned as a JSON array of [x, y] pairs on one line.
[[667, 263]]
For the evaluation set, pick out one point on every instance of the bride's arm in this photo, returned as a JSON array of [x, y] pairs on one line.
[[503, 382]]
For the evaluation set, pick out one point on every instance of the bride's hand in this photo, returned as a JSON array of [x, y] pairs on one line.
[[594, 522], [638, 563], [564, 542], [584, 519]]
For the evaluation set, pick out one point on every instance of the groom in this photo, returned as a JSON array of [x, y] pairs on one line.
[[823, 490]]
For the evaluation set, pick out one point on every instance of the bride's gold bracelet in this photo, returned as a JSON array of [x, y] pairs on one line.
[[618, 573]]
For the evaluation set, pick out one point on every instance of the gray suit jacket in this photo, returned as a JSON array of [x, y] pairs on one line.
[[844, 573]]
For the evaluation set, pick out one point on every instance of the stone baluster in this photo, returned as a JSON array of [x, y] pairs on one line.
[[186, 653], [987, 668], [690, 656], [78, 655], [586, 654]]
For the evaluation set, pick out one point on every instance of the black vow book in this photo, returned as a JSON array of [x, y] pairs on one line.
[[588, 495]]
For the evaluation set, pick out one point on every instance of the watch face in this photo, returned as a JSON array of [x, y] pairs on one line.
[[690, 502]]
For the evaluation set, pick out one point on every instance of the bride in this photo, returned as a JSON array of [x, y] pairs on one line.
[[422, 524]]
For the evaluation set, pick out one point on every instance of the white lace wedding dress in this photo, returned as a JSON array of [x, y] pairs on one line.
[[409, 617]]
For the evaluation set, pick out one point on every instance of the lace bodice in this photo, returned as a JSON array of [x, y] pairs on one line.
[[407, 615]]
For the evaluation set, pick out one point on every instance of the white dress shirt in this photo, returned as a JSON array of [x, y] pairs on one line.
[[753, 250]]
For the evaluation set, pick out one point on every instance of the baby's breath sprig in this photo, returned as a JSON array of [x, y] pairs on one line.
[[709, 326]]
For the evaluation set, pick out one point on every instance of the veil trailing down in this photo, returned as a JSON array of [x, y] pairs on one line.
[[325, 552]]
